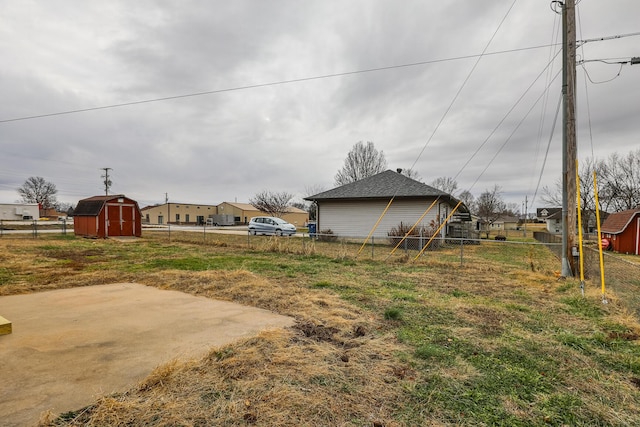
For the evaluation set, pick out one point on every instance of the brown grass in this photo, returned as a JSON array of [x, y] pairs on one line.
[[285, 377], [341, 363]]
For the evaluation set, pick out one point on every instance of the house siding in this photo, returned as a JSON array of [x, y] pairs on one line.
[[357, 218], [15, 212], [623, 231], [627, 242]]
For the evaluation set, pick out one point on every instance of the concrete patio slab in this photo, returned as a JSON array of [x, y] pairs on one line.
[[70, 346]]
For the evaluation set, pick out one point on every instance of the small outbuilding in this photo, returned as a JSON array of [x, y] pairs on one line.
[[107, 216], [622, 230], [355, 209]]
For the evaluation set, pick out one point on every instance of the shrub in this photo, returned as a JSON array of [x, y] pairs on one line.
[[327, 236], [416, 238]]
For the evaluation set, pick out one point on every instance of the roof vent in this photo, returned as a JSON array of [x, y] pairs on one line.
[[399, 170]]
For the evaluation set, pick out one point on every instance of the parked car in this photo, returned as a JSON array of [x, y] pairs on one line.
[[271, 225]]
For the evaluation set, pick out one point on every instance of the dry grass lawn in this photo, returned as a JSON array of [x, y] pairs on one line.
[[393, 343]]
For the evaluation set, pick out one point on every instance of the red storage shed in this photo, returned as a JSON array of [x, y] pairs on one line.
[[622, 229], [107, 216]]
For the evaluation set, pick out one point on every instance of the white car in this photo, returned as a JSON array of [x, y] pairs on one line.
[[271, 225]]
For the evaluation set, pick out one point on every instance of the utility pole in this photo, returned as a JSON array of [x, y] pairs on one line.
[[569, 146], [166, 200], [107, 181], [526, 207]]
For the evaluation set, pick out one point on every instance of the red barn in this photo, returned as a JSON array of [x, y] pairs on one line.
[[622, 229], [107, 216]]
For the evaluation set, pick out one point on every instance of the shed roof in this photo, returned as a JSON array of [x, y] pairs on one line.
[[93, 205], [383, 185], [617, 222]]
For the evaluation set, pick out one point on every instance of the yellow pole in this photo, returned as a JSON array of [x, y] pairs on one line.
[[595, 191], [375, 226], [414, 226], [438, 230], [579, 230]]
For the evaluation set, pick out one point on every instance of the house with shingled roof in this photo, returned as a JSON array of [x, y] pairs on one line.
[[352, 210], [622, 229]]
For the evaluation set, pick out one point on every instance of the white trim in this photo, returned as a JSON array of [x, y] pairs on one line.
[[638, 236]]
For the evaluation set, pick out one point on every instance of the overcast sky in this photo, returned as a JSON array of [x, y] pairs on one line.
[[248, 136]]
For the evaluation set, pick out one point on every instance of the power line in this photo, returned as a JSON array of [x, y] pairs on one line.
[[509, 112], [276, 83], [464, 83]]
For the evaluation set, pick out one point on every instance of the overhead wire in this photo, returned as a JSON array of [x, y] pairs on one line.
[[586, 88], [512, 133], [267, 84], [555, 36], [507, 115], [544, 163], [464, 83], [444, 115]]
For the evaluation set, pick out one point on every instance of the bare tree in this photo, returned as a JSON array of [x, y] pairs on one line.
[[411, 173], [552, 196], [36, 190], [621, 181], [312, 190], [362, 162], [275, 204], [445, 183], [468, 199], [490, 207]]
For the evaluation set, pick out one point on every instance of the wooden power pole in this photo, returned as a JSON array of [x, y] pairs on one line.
[[569, 145]]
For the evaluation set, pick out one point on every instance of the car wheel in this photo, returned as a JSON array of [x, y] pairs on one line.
[[278, 232], [252, 232]]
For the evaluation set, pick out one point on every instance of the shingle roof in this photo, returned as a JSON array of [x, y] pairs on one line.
[[617, 222], [93, 205], [384, 185]]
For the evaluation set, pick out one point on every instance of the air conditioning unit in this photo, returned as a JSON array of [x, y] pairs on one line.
[[18, 211]]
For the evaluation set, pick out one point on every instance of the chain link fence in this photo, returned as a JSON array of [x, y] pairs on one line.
[[33, 228], [621, 271]]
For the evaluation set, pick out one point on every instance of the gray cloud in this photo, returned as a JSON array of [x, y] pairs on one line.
[[230, 145]]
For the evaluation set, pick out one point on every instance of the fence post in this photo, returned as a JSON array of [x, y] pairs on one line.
[[372, 247], [35, 229], [1, 228], [64, 226]]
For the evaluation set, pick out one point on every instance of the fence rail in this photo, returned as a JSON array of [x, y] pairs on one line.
[[33, 228]]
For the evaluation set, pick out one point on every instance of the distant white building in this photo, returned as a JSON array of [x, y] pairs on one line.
[[19, 211]]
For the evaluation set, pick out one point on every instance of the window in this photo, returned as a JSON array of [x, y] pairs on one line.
[[160, 219], [186, 217], [177, 217]]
